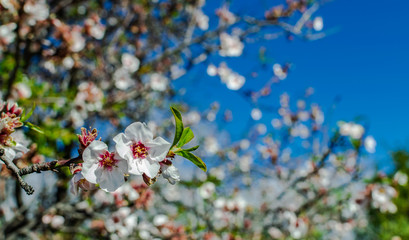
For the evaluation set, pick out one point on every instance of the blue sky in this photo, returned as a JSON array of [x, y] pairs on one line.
[[364, 62]]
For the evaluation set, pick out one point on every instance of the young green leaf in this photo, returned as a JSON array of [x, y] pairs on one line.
[[191, 149], [28, 115], [194, 159], [179, 125], [187, 135], [34, 127]]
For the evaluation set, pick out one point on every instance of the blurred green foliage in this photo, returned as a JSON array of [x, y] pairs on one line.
[[389, 225]]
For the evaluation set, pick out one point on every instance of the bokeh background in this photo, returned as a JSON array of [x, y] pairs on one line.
[[298, 108]]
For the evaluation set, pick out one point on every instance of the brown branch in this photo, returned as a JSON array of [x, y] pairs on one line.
[[48, 166], [10, 165]]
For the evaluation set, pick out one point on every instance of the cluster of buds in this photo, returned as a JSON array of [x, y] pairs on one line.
[[85, 138]]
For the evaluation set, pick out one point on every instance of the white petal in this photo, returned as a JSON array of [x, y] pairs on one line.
[[111, 180], [133, 168], [96, 149], [21, 148], [158, 149], [138, 132], [171, 173], [122, 165], [73, 184], [89, 171], [9, 154], [150, 168], [91, 159], [123, 146]]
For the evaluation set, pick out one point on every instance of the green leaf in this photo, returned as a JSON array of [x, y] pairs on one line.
[[187, 135], [194, 159], [34, 127], [28, 115], [179, 125], [191, 149], [66, 171]]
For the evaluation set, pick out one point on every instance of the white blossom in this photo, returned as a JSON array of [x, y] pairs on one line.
[[207, 190], [225, 15], [171, 173], [122, 79], [202, 20], [7, 34], [158, 82], [78, 181], [382, 195], [130, 62], [370, 144], [95, 28], [256, 114], [211, 70], [279, 72], [139, 148], [160, 219], [230, 46], [318, 23], [351, 129], [102, 167], [77, 42], [68, 62], [401, 178], [235, 81], [36, 11]]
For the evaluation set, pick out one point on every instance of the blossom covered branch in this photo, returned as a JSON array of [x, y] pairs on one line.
[[136, 153]]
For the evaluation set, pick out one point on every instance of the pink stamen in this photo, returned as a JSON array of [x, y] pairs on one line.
[[107, 161], [139, 150]]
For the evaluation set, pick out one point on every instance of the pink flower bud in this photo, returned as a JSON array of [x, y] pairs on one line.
[[86, 138]]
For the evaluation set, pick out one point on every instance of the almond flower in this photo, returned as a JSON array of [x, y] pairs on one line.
[[78, 181], [130, 62], [230, 45], [169, 172], [142, 152], [103, 167], [318, 24]]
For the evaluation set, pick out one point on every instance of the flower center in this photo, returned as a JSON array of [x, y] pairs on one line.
[[107, 160], [139, 150]]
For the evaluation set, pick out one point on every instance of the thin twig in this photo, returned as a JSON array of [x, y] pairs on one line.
[[48, 166], [10, 165], [305, 17]]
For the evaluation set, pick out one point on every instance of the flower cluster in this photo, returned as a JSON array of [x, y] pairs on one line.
[[233, 80], [136, 152]]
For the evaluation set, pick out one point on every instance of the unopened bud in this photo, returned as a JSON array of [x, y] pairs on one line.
[[149, 181]]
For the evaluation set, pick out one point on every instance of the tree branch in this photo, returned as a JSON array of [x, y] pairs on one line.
[[321, 164], [48, 166], [10, 165]]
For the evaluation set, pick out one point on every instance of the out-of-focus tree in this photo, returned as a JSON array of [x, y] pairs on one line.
[[394, 225]]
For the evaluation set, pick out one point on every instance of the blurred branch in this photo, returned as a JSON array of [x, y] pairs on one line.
[[10, 165], [61, 5], [13, 74], [305, 17], [320, 165]]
